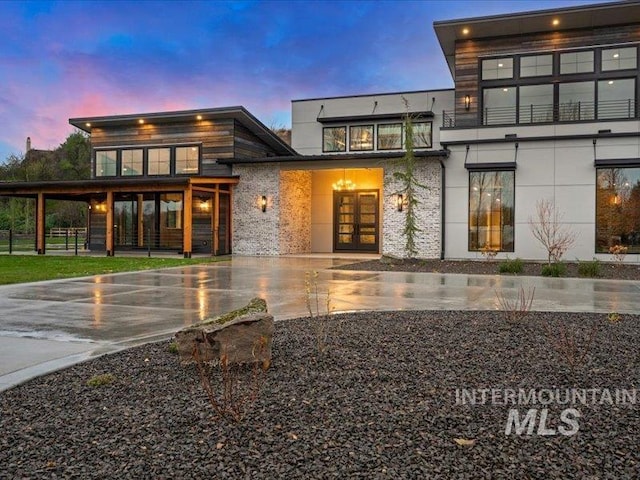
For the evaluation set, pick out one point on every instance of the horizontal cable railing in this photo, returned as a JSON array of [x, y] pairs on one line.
[[547, 113], [11, 241]]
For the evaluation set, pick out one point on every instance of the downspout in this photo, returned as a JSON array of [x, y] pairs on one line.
[[443, 178]]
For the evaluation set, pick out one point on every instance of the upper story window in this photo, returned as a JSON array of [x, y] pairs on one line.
[[499, 105], [132, 162], [536, 65], [334, 139], [616, 98], [187, 160], [421, 134], [576, 62], [535, 106], [106, 163], [159, 161], [619, 58], [361, 137], [576, 101], [497, 68], [390, 136]]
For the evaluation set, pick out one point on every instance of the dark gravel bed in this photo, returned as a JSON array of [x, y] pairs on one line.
[[484, 267], [379, 403]]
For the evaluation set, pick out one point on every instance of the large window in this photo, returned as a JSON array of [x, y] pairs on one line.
[[334, 139], [187, 160], [171, 210], [536, 104], [618, 209], [491, 214], [616, 98], [497, 68], [361, 137], [576, 101], [576, 62], [619, 58], [499, 105], [159, 161], [131, 163], [390, 136], [536, 65], [421, 134], [106, 163]]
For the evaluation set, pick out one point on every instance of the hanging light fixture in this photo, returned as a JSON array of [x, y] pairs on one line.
[[343, 183]]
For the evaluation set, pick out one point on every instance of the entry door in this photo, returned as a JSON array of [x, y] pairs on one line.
[[356, 221]]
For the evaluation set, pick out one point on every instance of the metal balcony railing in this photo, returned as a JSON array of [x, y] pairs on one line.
[[548, 113]]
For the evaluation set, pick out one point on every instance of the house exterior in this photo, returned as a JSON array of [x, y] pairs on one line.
[[544, 107]]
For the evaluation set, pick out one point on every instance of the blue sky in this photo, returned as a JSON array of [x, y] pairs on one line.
[[84, 58]]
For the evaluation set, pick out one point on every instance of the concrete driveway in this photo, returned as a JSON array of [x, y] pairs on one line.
[[48, 325]]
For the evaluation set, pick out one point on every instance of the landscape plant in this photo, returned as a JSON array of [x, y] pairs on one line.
[[571, 342], [618, 252], [547, 227], [589, 268], [516, 309], [514, 266], [556, 269], [101, 380], [318, 319]]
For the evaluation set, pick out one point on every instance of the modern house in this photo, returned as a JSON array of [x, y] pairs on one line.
[[545, 107]]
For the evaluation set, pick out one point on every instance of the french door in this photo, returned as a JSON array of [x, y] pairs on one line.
[[356, 221]]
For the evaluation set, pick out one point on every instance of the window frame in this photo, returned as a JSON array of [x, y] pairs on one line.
[[116, 163], [147, 162], [122, 162], [402, 142], [336, 127], [420, 122], [370, 126], [174, 161]]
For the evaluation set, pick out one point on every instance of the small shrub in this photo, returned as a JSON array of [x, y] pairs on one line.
[[613, 317], [571, 342], [515, 310], [101, 380], [589, 268], [618, 252], [173, 348], [488, 253], [554, 270], [511, 266]]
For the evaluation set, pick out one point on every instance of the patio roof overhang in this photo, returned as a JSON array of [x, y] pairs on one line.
[[84, 190], [329, 158]]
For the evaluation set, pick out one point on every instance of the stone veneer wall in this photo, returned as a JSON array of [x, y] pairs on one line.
[[428, 240], [286, 225], [256, 232], [295, 211]]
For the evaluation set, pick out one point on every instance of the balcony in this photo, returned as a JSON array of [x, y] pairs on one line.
[[540, 114]]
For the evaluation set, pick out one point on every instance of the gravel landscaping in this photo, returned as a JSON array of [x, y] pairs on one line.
[[380, 402], [484, 267]]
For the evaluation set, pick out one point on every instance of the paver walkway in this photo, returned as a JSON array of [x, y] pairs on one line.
[[47, 325]]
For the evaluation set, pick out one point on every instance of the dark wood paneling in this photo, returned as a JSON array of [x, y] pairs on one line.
[[97, 232], [468, 52], [247, 145]]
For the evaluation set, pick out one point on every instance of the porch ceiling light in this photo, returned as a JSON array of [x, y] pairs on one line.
[[263, 203], [141, 121], [344, 183]]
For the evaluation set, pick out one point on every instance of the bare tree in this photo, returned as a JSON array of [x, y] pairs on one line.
[[548, 229]]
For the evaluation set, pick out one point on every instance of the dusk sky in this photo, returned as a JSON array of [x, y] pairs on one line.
[[67, 59]]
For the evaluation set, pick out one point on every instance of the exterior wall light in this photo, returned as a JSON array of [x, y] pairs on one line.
[[204, 206], [400, 202], [467, 102], [263, 203]]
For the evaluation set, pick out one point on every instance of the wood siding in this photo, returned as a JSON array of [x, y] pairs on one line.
[[248, 145], [468, 53]]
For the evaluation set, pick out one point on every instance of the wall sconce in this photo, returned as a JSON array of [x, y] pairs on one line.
[[204, 205], [100, 207], [400, 202], [467, 102], [263, 203]]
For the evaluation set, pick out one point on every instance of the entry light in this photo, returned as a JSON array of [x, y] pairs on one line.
[[263, 203], [400, 202], [467, 102], [204, 205]]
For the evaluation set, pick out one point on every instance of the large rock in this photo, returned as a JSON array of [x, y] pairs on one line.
[[244, 336]]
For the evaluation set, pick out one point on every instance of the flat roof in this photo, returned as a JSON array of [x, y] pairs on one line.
[[238, 113], [513, 24], [332, 157]]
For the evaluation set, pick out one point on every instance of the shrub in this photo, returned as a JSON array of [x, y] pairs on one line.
[[511, 266], [173, 348], [589, 268], [516, 309], [554, 270], [101, 380]]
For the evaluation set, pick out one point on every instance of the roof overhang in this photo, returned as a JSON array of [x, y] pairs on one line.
[[238, 113], [337, 157], [589, 16], [375, 117]]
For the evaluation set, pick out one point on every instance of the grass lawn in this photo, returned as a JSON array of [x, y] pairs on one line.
[[32, 268]]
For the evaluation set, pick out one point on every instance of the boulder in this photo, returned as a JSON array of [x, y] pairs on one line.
[[244, 336]]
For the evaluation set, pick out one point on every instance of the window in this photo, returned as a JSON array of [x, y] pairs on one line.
[[576, 62], [171, 210], [619, 58], [576, 101], [616, 98], [106, 163], [618, 209], [491, 215], [131, 163], [334, 139], [159, 161], [536, 65], [361, 137], [536, 104], [497, 68], [187, 160], [421, 134], [499, 105], [390, 136]]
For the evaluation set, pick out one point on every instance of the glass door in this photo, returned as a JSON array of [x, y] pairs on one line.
[[356, 220]]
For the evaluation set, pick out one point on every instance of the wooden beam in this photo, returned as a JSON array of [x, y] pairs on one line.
[[187, 220], [40, 224], [109, 214], [216, 222], [140, 220]]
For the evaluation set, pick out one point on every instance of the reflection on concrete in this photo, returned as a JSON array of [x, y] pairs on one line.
[[120, 308]]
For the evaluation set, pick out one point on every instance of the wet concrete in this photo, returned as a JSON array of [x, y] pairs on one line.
[[47, 325]]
